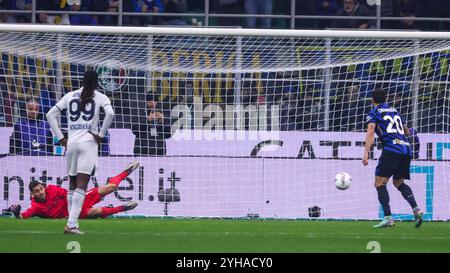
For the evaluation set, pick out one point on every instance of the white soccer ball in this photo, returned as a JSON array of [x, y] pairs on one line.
[[343, 180]]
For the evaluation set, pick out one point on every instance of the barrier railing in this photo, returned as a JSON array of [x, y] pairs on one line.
[[207, 14]]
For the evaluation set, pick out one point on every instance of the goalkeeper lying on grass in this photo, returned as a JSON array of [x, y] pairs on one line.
[[51, 201]]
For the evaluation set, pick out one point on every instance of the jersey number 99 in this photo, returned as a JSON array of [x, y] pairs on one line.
[[86, 114]]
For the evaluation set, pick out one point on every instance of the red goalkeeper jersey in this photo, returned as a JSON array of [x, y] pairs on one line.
[[55, 205]]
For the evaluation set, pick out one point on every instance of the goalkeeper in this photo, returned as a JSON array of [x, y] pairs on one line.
[[51, 201]]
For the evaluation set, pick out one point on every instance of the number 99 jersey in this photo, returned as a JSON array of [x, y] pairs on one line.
[[81, 121], [389, 128]]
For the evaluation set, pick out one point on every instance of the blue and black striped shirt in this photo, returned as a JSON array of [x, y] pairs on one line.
[[389, 128]]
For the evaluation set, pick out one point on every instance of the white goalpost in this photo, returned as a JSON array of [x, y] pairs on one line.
[[256, 123]]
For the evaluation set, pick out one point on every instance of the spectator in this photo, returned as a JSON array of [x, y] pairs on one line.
[[111, 6], [175, 6], [401, 101], [32, 135], [409, 9], [147, 6], [104, 6], [325, 8], [228, 7], [82, 19], [272, 91], [18, 5], [258, 7], [289, 110], [352, 8], [73, 5], [349, 110], [311, 110], [152, 130], [53, 5]]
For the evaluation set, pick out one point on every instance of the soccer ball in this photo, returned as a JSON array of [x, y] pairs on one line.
[[343, 180]]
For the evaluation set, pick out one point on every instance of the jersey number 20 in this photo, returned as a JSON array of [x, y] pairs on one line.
[[397, 121]]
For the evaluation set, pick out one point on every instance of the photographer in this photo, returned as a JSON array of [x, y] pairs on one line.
[[152, 130]]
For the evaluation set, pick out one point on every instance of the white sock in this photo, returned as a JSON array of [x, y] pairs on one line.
[[69, 200], [77, 204]]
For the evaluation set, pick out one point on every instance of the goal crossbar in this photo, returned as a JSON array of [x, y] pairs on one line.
[[189, 31]]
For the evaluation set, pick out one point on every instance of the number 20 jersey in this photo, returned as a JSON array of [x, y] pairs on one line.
[[389, 128], [81, 121]]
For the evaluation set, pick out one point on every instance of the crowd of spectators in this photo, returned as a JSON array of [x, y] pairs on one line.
[[150, 7], [300, 109], [155, 9]]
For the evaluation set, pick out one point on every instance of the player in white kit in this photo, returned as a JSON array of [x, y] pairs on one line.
[[84, 137]]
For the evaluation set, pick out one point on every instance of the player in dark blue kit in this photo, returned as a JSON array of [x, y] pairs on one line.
[[395, 159]]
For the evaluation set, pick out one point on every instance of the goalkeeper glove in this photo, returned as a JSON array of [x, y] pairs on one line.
[[15, 209]]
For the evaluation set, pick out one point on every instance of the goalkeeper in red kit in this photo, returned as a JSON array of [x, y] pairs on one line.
[[51, 201]]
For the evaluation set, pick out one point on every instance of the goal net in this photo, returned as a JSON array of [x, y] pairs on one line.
[[230, 123]]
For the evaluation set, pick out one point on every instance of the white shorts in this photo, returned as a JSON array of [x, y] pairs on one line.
[[82, 157]]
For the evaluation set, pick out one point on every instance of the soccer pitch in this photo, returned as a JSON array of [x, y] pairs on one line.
[[221, 236]]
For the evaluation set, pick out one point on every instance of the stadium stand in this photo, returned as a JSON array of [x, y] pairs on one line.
[[300, 110]]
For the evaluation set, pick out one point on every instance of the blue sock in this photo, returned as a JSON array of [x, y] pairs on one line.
[[408, 195], [383, 197]]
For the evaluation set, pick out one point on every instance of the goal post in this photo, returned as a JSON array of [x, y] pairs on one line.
[[256, 123]]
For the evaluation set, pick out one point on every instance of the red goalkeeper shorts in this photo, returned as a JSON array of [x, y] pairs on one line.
[[92, 198]]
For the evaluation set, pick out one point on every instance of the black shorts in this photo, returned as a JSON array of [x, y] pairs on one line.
[[392, 164]]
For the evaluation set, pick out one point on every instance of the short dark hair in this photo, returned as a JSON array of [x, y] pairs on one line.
[[33, 100], [33, 184], [379, 95], [150, 96]]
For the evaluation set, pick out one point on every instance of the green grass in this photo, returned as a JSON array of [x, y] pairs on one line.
[[215, 235]]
